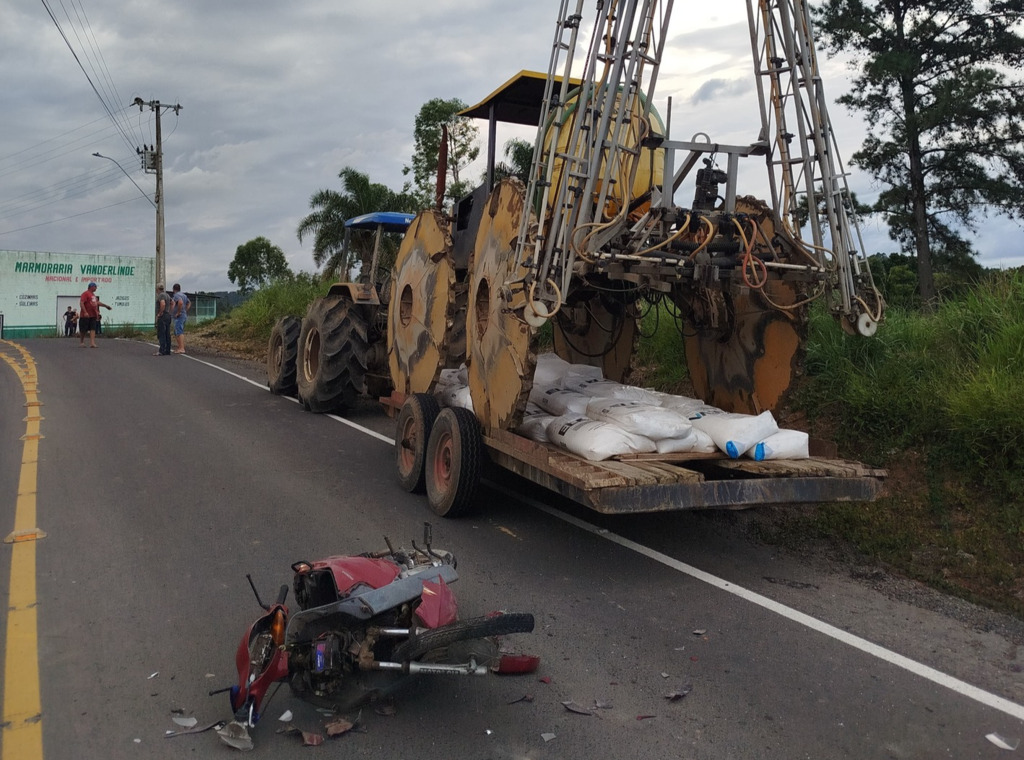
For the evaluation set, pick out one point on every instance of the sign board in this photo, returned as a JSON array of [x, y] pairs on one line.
[[36, 288]]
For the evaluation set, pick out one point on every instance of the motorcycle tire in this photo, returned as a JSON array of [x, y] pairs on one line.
[[463, 630], [282, 352], [415, 421]]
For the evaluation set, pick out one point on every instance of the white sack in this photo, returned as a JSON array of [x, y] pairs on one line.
[[654, 422], [786, 444], [576, 375], [735, 433], [535, 423], [686, 405], [550, 369], [454, 395], [458, 376], [697, 442], [595, 440], [617, 391], [559, 401]]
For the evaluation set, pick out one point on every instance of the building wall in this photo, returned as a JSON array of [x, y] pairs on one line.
[[37, 287]]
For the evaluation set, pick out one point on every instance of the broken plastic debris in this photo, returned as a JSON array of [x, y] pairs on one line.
[[524, 698], [488, 731], [153, 675], [310, 739], [644, 717], [601, 704], [236, 735], [700, 631], [338, 727], [137, 741], [218, 724], [547, 737], [575, 708], [1002, 742], [545, 679], [664, 675], [286, 716], [682, 691], [184, 722]]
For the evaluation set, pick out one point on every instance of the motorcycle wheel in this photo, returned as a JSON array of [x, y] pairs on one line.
[[463, 630], [412, 431], [282, 352], [454, 458]]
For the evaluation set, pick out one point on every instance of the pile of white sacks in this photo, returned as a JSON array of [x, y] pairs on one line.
[[574, 407]]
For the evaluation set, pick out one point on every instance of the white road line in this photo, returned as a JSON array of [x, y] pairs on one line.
[[924, 671]]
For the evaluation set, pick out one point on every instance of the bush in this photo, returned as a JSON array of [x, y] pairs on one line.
[[290, 296]]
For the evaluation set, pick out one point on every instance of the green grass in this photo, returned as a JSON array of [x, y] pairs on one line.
[[936, 399], [255, 318]]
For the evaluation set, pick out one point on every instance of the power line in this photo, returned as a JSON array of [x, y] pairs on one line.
[[128, 141], [73, 216]]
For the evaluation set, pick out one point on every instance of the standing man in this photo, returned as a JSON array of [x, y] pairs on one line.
[[163, 320], [181, 304], [69, 322], [89, 312]]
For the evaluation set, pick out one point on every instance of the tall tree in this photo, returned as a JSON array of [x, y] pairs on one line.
[[462, 150], [945, 115], [331, 209], [256, 263], [518, 160]]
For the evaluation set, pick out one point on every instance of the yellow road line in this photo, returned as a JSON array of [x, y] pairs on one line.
[[22, 737]]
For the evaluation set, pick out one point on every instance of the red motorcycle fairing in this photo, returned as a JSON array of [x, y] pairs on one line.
[[438, 606], [348, 572], [260, 660]]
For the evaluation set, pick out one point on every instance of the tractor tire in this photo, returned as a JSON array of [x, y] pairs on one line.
[[454, 459], [282, 352], [332, 355], [463, 630], [412, 431]]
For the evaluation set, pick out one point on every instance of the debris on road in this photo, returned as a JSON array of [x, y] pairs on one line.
[[547, 737], [524, 698], [575, 708], [682, 691], [1003, 742], [236, 735]]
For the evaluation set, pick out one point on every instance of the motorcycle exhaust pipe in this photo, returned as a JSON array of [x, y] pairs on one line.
[[435, 668]]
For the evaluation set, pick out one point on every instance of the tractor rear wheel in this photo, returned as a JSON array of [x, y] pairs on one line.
[[455, 457], [282, 352], [332, 354], [415, 421]]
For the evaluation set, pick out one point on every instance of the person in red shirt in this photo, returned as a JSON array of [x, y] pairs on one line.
[[88, 315]]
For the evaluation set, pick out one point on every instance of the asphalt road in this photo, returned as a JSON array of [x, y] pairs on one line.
[[162, 481]]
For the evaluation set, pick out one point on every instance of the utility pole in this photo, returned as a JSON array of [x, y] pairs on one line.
[[153, 163]]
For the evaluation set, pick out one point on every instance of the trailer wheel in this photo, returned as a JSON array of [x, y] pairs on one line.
[[282, 353], [453, 463], [415, 421], [332, 354]]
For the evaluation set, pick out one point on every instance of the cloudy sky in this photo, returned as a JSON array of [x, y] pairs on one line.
[[278, 97]]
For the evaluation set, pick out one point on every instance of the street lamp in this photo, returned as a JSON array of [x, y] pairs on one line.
[[159, 220], [144, 195]]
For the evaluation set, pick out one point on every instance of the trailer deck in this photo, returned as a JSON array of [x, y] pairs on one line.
[[657, 482]]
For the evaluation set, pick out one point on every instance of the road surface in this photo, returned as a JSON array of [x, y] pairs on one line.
[[161, 481]]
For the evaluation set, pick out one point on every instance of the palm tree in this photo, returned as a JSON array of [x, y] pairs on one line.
[[519, 161], [331, 209]]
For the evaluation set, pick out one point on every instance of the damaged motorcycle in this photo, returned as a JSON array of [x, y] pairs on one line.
[[364, 622]]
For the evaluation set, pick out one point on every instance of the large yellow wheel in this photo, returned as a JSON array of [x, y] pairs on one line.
[[501, 347], [745, 345], [422, 305]]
